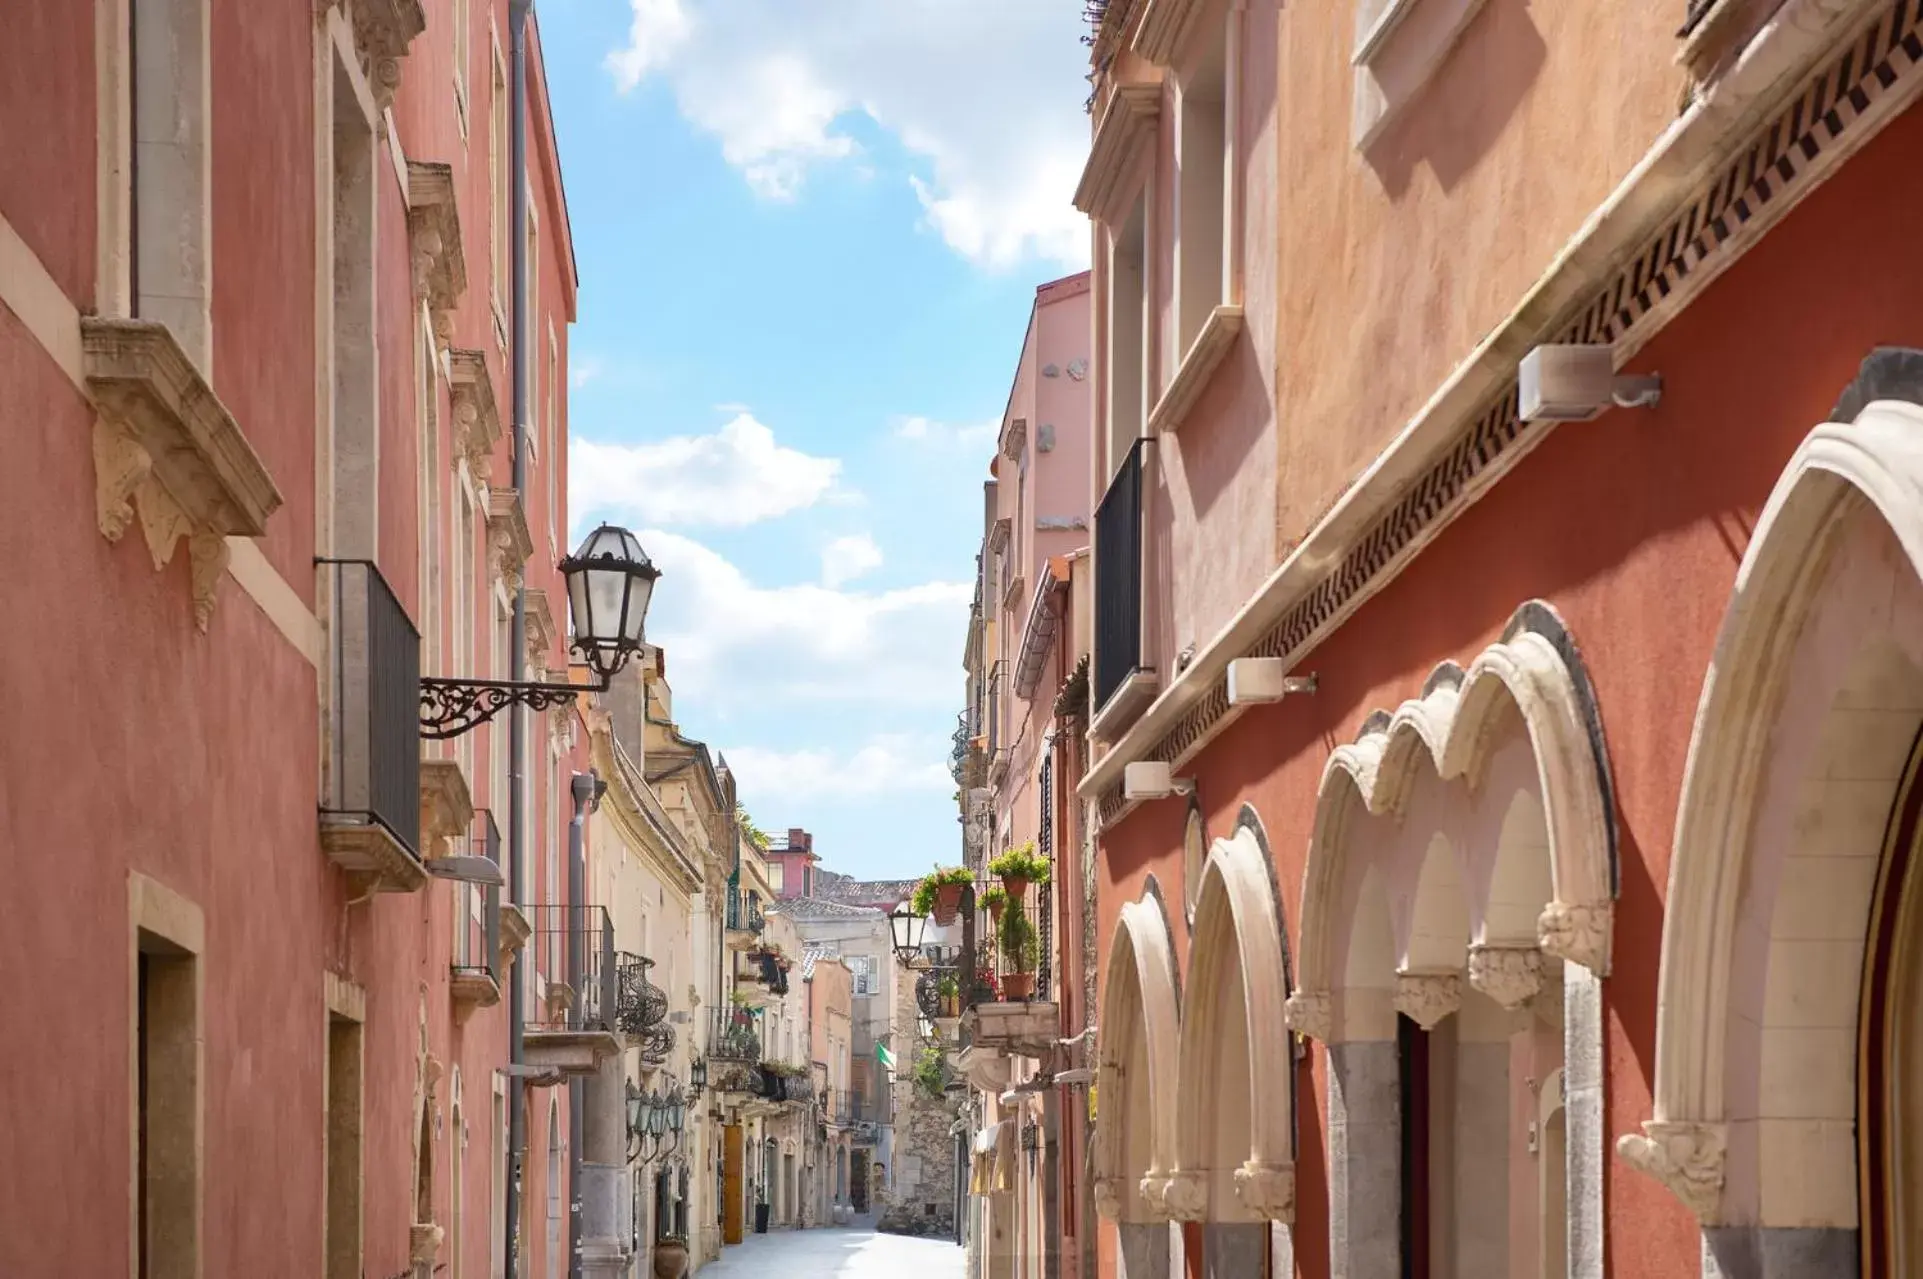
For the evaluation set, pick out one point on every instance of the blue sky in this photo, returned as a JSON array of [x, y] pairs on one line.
[[808, 233]]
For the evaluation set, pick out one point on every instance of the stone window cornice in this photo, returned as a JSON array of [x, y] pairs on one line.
[[477, 422], [1400, 45], [1127, 125], [434, 236], [382, 29], [1165, 25], [166, 448], [541, 632], [508, 536]]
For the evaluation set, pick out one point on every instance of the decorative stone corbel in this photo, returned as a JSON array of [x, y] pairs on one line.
[[434, 238], [1267, 1190], [382, 31], [1686, 1157], [1154, 1192], [540, 627], [477, 423], [447, 806], [1426, 998], [424, 1243], [1108, 1198], [1185, 1195], [1311, 1013], [1510, 975], [166, 449], [1578, 933], [509, 541]]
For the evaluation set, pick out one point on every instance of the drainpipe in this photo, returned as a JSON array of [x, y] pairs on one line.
[[583, 790], [517, 16]]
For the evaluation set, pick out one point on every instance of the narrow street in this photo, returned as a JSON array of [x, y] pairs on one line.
[[853, 1252]]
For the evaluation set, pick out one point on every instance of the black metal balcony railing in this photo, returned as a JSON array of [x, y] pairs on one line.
[[374, 682], [572, 948], [744, 911], [780, 1086], [852, 1107], [771, 973], [642, 1012], [1118, 577], [997, 682], [477, 936], [734, 1035]]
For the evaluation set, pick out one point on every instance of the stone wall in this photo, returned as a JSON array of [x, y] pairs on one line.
[[920, 1198]]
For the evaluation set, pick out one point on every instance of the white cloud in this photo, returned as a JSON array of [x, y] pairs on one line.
[[985, 94], [923, 430], [846, 558], [584, 369], [733, 644], [737, 476], [887, 764]]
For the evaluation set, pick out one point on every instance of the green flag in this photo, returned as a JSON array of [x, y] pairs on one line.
[[882, 1055]]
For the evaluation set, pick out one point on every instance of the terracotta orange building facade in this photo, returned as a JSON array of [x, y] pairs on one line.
[[1503, 777]]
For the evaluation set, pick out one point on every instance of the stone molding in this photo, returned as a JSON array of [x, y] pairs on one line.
[[1687, 1158], [1578, 933], [509, 542], [1267, 1191], [382, 29], [1108, 1198], [434, 239], [541, 632], [1140, 945], [165, 448], [1510, 975], [1311, 1013], [1426, 998], [1128, 125], [1165, 25], [1184, 1195], [447, 805], [477, 422]]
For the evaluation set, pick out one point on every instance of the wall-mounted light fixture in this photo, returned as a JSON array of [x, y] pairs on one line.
[[1151, 779], [1575, 383]]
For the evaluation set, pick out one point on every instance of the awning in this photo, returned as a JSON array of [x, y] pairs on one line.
[[985, 1165]]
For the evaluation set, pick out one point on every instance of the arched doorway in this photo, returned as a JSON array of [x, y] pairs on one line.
[[1784, 1117]]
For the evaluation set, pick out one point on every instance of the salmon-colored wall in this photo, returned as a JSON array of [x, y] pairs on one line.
[[1632, 528], [1396, 260]]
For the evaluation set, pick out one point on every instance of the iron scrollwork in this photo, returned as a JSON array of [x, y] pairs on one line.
[[451, 707]]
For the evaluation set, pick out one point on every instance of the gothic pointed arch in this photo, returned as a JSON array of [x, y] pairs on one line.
[[1136, 1080]]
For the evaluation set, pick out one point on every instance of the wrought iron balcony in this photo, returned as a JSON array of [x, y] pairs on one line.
[[576, 1022], [744, 922], [734, 1035], [1118, 578], [476, 976], [642, 1013], [371, 805]]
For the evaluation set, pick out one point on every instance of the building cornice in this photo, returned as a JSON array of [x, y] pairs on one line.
[[1165, 25], [1128, 124]]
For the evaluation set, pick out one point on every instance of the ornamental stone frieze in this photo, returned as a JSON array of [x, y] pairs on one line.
[[434, 242], [1510, 975], [1578, 933], [1269, 1192], [477, 422], [1309, 1012], [1426, 998], [1686, 1157], [167, 450]]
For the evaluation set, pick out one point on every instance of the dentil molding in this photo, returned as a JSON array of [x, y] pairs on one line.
[[1426, 998], [1510, 975], [1578, 933], [1687, 1157]]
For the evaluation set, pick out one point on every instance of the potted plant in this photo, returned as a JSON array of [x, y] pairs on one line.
[[992, 899], [940, 893], [670, 1256], [948, 996], [1018, 868], [1021, 951]]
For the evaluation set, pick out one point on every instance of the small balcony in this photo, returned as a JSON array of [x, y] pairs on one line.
[[643, 1011], [574, 1026], [1123, 686], [371, 806], [744, 921], [734, 1050], [475, 981]]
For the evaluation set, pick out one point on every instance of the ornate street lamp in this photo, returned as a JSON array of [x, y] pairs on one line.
[[610, 581], [908, 928], [697, 1077]]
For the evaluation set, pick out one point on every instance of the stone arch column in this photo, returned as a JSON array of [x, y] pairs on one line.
[[1813, 693], [1136, 1085], [1235, 1113]]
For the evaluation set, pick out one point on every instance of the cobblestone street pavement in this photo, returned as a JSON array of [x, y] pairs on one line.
[[837, 1253]]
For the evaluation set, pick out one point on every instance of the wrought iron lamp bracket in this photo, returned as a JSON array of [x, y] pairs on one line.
[[451, 707]]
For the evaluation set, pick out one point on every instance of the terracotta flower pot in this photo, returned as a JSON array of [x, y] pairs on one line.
[[1018, 986], [948, 903], [670, 1259], [1014, 886], [995, 913]]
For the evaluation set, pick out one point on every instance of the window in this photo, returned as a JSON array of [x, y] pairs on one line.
[[556, 1211], [463, 53], [777, 877], [497, 1190], [862, 969], [1202, 162], [168, 222], [497, 161], [167, 1121], [553, 435], [1127, 331], [356, 442], [462, 661], [458, 1139], [343, 1250], [427, 404]]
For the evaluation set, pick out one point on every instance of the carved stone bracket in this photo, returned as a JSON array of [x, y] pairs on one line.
[[541, 631], [1154, 1189], [447, 808], [1108, 1198], [1310, 1012], [509, 542], [1686, 1157], [477, 423], [434, 238], [166, 449], [382, 31], [1268, 1191], [1426, 998], [1185, 1195], [1577, 933], [1510, 975]]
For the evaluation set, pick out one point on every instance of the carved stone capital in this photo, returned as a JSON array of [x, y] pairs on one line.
[[1510, 975], [424, 1242], [1268, 1191], [1426, 998], [1185, 1195], [1108, 1197], [1686, 1157], [1311, 1013], [1154, 1192], [1578, 933]]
